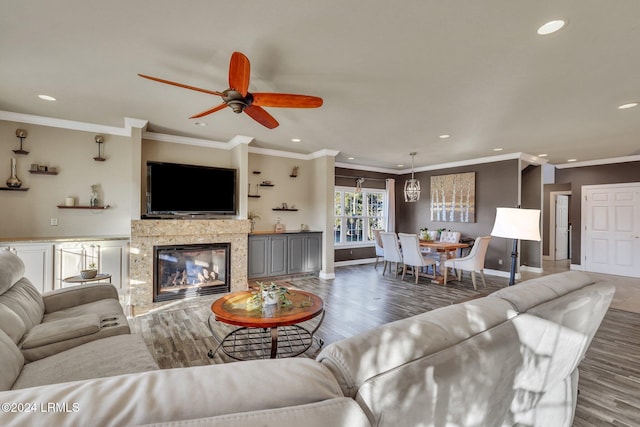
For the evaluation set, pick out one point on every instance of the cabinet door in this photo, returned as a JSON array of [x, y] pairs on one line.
[[38, 263], [278, 259], [114, 260], [313, 252], [297, 253], [258, 256]]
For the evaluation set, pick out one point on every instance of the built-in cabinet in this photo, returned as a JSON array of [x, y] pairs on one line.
[[284, 253], [47, 263], [38, 262]]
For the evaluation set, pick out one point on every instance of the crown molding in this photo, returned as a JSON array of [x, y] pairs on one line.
[[599, 162], [291, 155], [177, 139], [74, 125], [491, 159]]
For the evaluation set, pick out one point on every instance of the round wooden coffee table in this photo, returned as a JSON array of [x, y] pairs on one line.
[[271, 331]]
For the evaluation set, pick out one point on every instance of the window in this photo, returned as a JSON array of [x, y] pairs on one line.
[[357, 214]]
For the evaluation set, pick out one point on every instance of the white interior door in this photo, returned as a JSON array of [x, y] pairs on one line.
[[562, 227], [611, 229]]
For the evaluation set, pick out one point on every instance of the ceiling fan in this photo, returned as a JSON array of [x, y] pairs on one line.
[[239, 99]]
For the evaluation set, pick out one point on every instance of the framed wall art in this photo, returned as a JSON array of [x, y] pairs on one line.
[[453, 197]]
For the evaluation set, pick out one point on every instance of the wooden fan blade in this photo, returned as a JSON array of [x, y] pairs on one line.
[[261, 116], [239, 70], [210, 92], [207, 112], [286, 100]]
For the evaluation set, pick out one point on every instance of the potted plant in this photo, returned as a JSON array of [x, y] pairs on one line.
[[270, 295], [90, 272], [253, 217], [424, 233]]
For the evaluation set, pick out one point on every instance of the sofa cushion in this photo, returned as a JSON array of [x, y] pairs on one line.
[[12, 361], [11, 323], [179, 394], [60, 299], [104, 308], [533, 292], [11, 269], [24, 299], [61, 330], [358, 358], [122, 354]]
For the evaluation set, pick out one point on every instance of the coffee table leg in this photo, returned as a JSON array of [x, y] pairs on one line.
[[274, 342]]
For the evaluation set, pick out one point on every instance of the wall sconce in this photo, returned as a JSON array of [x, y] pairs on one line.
[[359, 182], [99, 140], [22, 134]]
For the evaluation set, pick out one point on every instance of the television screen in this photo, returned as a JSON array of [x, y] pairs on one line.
[[176, 189]]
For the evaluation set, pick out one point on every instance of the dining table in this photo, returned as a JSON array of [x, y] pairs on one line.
[[445, 250]]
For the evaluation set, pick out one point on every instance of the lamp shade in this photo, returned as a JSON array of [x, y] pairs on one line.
[[515, 223]]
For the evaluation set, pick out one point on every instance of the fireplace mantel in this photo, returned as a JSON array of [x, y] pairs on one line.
[[145, 234]]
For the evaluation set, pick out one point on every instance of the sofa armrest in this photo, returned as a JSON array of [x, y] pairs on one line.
[[61, 330], [77, 295]]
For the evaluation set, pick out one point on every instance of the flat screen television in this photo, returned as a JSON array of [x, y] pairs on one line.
[[180, 189]]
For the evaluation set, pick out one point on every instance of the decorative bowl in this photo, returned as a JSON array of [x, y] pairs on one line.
[[88, 274]]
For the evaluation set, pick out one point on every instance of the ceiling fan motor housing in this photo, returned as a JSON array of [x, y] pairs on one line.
[[236, 101]]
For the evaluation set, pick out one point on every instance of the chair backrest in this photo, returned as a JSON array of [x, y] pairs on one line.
[[378, 242], [391, 247], [478, 252], [450, 236], [411, 249]]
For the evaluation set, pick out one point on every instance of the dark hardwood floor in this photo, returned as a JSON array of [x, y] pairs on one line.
[[360, 298]]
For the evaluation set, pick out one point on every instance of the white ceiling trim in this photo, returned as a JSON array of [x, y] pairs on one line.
[[73, 125], [599, 162], [491, 159], [290, 155]]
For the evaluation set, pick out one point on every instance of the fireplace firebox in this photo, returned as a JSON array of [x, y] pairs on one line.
[[183, 271]]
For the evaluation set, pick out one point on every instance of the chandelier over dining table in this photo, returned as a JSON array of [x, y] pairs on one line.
[[412, 186]]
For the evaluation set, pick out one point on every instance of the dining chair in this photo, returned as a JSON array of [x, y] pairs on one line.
[[474, 262], [413, 257], [379, 247], [392, 251], [450, 237]]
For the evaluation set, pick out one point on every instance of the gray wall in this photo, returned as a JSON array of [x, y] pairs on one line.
[[531, 198], [496, 186], [591, 175]]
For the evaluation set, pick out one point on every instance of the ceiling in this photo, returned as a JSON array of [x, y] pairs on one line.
[[393, 76]]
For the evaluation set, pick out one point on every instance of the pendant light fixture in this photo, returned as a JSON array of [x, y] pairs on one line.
[[412, 186]]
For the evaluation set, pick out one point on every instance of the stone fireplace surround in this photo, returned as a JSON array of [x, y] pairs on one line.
[[147, 233]]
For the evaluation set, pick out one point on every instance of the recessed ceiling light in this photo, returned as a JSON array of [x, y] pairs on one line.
[[445, 136], [46, 97], [350, 158], [629, 105], [200, 124], [542, 155], [497, 149], [572, 160], [400, 166], [295, 140], [551, 27]]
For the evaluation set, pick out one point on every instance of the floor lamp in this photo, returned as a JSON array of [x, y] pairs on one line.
[[516, 224]]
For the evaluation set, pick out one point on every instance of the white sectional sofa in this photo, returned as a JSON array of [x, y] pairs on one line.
[[510, 358]]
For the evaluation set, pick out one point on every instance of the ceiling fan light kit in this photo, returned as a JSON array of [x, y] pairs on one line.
[[239, 99]]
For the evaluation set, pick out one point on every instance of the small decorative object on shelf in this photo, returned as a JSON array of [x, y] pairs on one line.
[[13, 181], [256, 172], [43, 170], [99, 140], [93, 196], [266, 184], [89, 273], [22, 134], [253, 217], [294, 172]]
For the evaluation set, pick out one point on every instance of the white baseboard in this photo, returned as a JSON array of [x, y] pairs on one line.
[[577, 267], [355, 262], [326, 276], [531, 269], [547, 258], [500, 273]]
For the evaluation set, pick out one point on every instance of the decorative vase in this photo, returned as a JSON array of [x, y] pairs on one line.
[[270, 297], [13, 181]]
